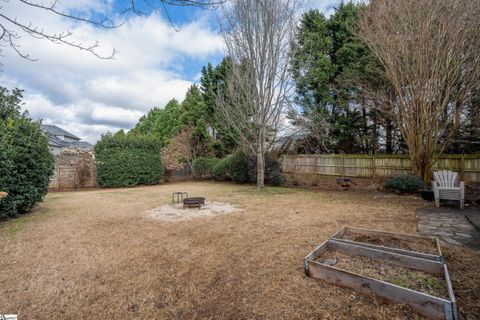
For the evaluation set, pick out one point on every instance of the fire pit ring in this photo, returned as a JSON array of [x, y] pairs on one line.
[[193, 202]]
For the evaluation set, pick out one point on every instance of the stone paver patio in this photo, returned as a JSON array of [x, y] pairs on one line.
[[450, 225]]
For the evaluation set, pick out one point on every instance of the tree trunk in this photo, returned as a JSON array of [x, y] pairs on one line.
[[388, 136], [374, 132], [421, 166], [260, 169]]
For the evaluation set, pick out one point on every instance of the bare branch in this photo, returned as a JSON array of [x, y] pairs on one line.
[[106, 23], [13, 28]]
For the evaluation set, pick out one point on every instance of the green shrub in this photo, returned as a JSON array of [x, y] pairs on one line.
[[26, 164], [221, 171], [273, 172], [404, 184], [239, 167], [127, 160], [203, 167], [243, 169]]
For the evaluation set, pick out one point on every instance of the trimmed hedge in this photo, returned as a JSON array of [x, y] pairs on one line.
[[203, 167], [404, 184], [26, 163], [221, 171], [128, 160]]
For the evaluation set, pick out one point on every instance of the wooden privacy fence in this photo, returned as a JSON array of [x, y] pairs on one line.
[[367, 166]]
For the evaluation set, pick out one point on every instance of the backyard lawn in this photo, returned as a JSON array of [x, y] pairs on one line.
[[98, 255]]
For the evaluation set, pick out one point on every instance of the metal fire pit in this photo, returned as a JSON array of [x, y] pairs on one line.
[[193, 202]]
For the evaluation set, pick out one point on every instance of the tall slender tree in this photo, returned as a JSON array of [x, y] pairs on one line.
[[198, 116], [258, 35], [214, 83]]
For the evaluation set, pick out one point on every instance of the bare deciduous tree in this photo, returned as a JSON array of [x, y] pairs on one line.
[[179, 150], [313, 127], [12, 28], [430, 50], [258, 35]]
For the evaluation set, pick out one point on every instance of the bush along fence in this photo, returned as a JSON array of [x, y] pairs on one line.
[[368, 166], [239, 167]]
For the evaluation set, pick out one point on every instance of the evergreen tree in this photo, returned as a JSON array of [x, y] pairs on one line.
[[197, 115], [162, 123], [26, 164], [213, 83], [328, 64]]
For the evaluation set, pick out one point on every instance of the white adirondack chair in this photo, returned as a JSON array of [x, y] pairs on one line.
[[447, 187]]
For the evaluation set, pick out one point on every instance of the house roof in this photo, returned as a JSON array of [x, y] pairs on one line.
[[56, 142], [81, 144], [53, 130]]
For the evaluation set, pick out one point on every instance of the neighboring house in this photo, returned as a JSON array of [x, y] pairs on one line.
[[288, 143], [61, 139]]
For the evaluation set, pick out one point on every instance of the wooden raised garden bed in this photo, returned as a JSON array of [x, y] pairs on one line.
[[415, 246], [391, 277]]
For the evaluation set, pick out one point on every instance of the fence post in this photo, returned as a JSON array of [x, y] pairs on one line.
[[462, 168], [57, 174], [316, 165], [343, 165], [373, 167]]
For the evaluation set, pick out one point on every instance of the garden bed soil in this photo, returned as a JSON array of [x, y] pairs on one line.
[[401, 276], [420, 245]]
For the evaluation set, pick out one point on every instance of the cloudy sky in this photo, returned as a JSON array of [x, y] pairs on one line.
[[89, 96]]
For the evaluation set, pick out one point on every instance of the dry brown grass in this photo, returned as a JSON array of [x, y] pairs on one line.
[[93, 255]]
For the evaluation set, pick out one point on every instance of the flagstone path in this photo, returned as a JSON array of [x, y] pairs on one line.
[[450, 225]]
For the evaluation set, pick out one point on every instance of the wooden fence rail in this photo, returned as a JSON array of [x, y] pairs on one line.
[[355, 165]]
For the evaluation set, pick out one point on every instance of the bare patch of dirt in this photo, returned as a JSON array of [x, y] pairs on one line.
[[389, 272], [93, 254], [176, 212], [322, 182]]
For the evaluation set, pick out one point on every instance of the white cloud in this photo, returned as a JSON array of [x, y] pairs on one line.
[[87, 95], [328, 6], [118, 115]]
